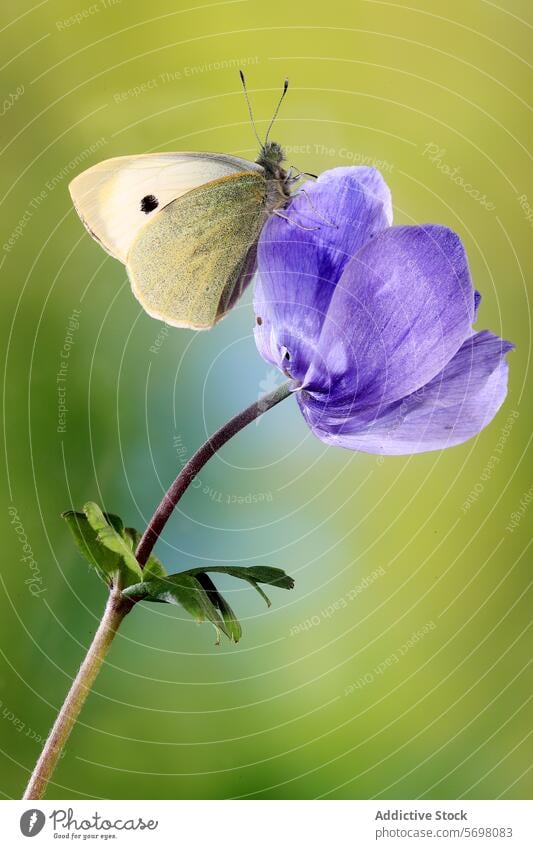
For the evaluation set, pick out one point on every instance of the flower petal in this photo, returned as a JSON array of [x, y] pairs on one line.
[[299, 268], [454, 406], [402, 309], [477, 301]]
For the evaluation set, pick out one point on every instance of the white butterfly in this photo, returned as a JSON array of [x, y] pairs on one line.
[[185, 225]]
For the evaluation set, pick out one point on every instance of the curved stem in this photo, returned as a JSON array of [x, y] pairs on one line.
[[118, 606], [196, 463], [116, 609]]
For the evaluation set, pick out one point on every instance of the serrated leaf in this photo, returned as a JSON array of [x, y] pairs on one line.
[[254, 575], [153, 567], [114, 541], [182, 589], [105, 562]]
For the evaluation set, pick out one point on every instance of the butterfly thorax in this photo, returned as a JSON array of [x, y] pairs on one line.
[[271, 157]]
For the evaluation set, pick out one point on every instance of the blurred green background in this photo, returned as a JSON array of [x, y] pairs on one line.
[[328, 694]]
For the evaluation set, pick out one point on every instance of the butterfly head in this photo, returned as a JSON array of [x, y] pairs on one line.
[[271, 153], [270, 157]]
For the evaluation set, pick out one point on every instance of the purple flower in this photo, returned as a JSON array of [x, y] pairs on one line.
[[374, 322]]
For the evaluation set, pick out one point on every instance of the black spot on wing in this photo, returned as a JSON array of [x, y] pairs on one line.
[[149, 203]]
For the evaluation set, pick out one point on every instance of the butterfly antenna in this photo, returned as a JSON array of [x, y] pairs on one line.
[[243, 81], [275, 115]]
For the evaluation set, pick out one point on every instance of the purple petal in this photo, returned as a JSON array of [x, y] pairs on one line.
[[402, 309], [477, 301], [454, 406], [299, 268]]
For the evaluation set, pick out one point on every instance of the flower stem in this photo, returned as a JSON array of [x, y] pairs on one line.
[[196, 463], [118, 606], [116, 609]]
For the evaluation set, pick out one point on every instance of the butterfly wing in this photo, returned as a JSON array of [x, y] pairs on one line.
[[115, 198], [190, 264]]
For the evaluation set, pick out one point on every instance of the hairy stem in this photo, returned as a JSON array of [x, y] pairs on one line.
[[116, 609], [196, 463]]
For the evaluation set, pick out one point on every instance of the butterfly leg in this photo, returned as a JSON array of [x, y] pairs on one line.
[[294, 177], [295, 223], [318, 213]]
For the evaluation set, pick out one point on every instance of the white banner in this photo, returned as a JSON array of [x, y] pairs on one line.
[[268, 824]]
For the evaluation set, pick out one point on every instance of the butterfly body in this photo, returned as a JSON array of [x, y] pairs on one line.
[[185, 225]]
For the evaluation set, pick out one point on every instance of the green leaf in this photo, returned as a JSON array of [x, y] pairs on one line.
[[153, 568], [233, 626], [255, 575], [197, 594], [182, 589], [106, 562], [119, 543], [110, 547]]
